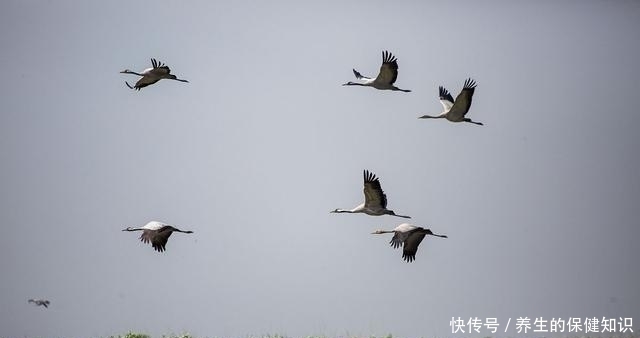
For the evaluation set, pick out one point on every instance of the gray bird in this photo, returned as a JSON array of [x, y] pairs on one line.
[[40, 302], [157, 233], [409, 237], [455, 111], [152, 75], [375, 200], [386, 77]]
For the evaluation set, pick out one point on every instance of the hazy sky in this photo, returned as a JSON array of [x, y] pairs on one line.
[[540, 204]]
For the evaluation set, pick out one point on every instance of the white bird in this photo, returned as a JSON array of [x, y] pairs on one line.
[[152, 75], [375, 200], [40, 302], [409, 236], [157, 233], [385, 79], [455, 111]]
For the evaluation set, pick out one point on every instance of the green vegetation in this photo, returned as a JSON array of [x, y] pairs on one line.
[[186, 335]]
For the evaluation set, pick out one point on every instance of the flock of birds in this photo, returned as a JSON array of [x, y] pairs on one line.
[[375, 201], [405, 235]]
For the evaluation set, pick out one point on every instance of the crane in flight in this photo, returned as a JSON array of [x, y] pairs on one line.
[[40, 302], [386, 77], [409, 237], [375, 200], [157, 72], [455, 111], [157, 233]]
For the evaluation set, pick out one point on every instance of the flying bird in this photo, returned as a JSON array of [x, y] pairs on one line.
[[157, 233], [40, 302], [385, 79], [455, 111], [409, 237], [375, 200], [152, 75]]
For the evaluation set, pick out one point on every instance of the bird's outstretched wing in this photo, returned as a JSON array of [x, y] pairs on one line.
[[160, 68], [389, 69], [146, 236], [159, 241], [359, 76], [463, 101], [374, 197], [397, 239], [411, 245], [445, 98], [144, 82]]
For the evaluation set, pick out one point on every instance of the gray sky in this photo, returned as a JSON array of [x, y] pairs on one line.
[[540, 204]]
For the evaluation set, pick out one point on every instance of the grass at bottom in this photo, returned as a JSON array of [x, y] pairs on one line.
[[186, 335]]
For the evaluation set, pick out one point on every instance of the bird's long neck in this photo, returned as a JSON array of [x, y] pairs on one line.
[[379, 232], [441, 236], [430, 117], [343, 211], [355, 84], [133, 229], [132, 72]]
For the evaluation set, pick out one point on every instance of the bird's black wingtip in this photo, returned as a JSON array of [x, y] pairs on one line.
[[408, 258], [469, 83], [369, 176]]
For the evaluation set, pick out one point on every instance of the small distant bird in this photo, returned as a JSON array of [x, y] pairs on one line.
[[40, 302], [157, 233], [152, 75], [455, 111], [409, 236], [385, 79], [375, 200]]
